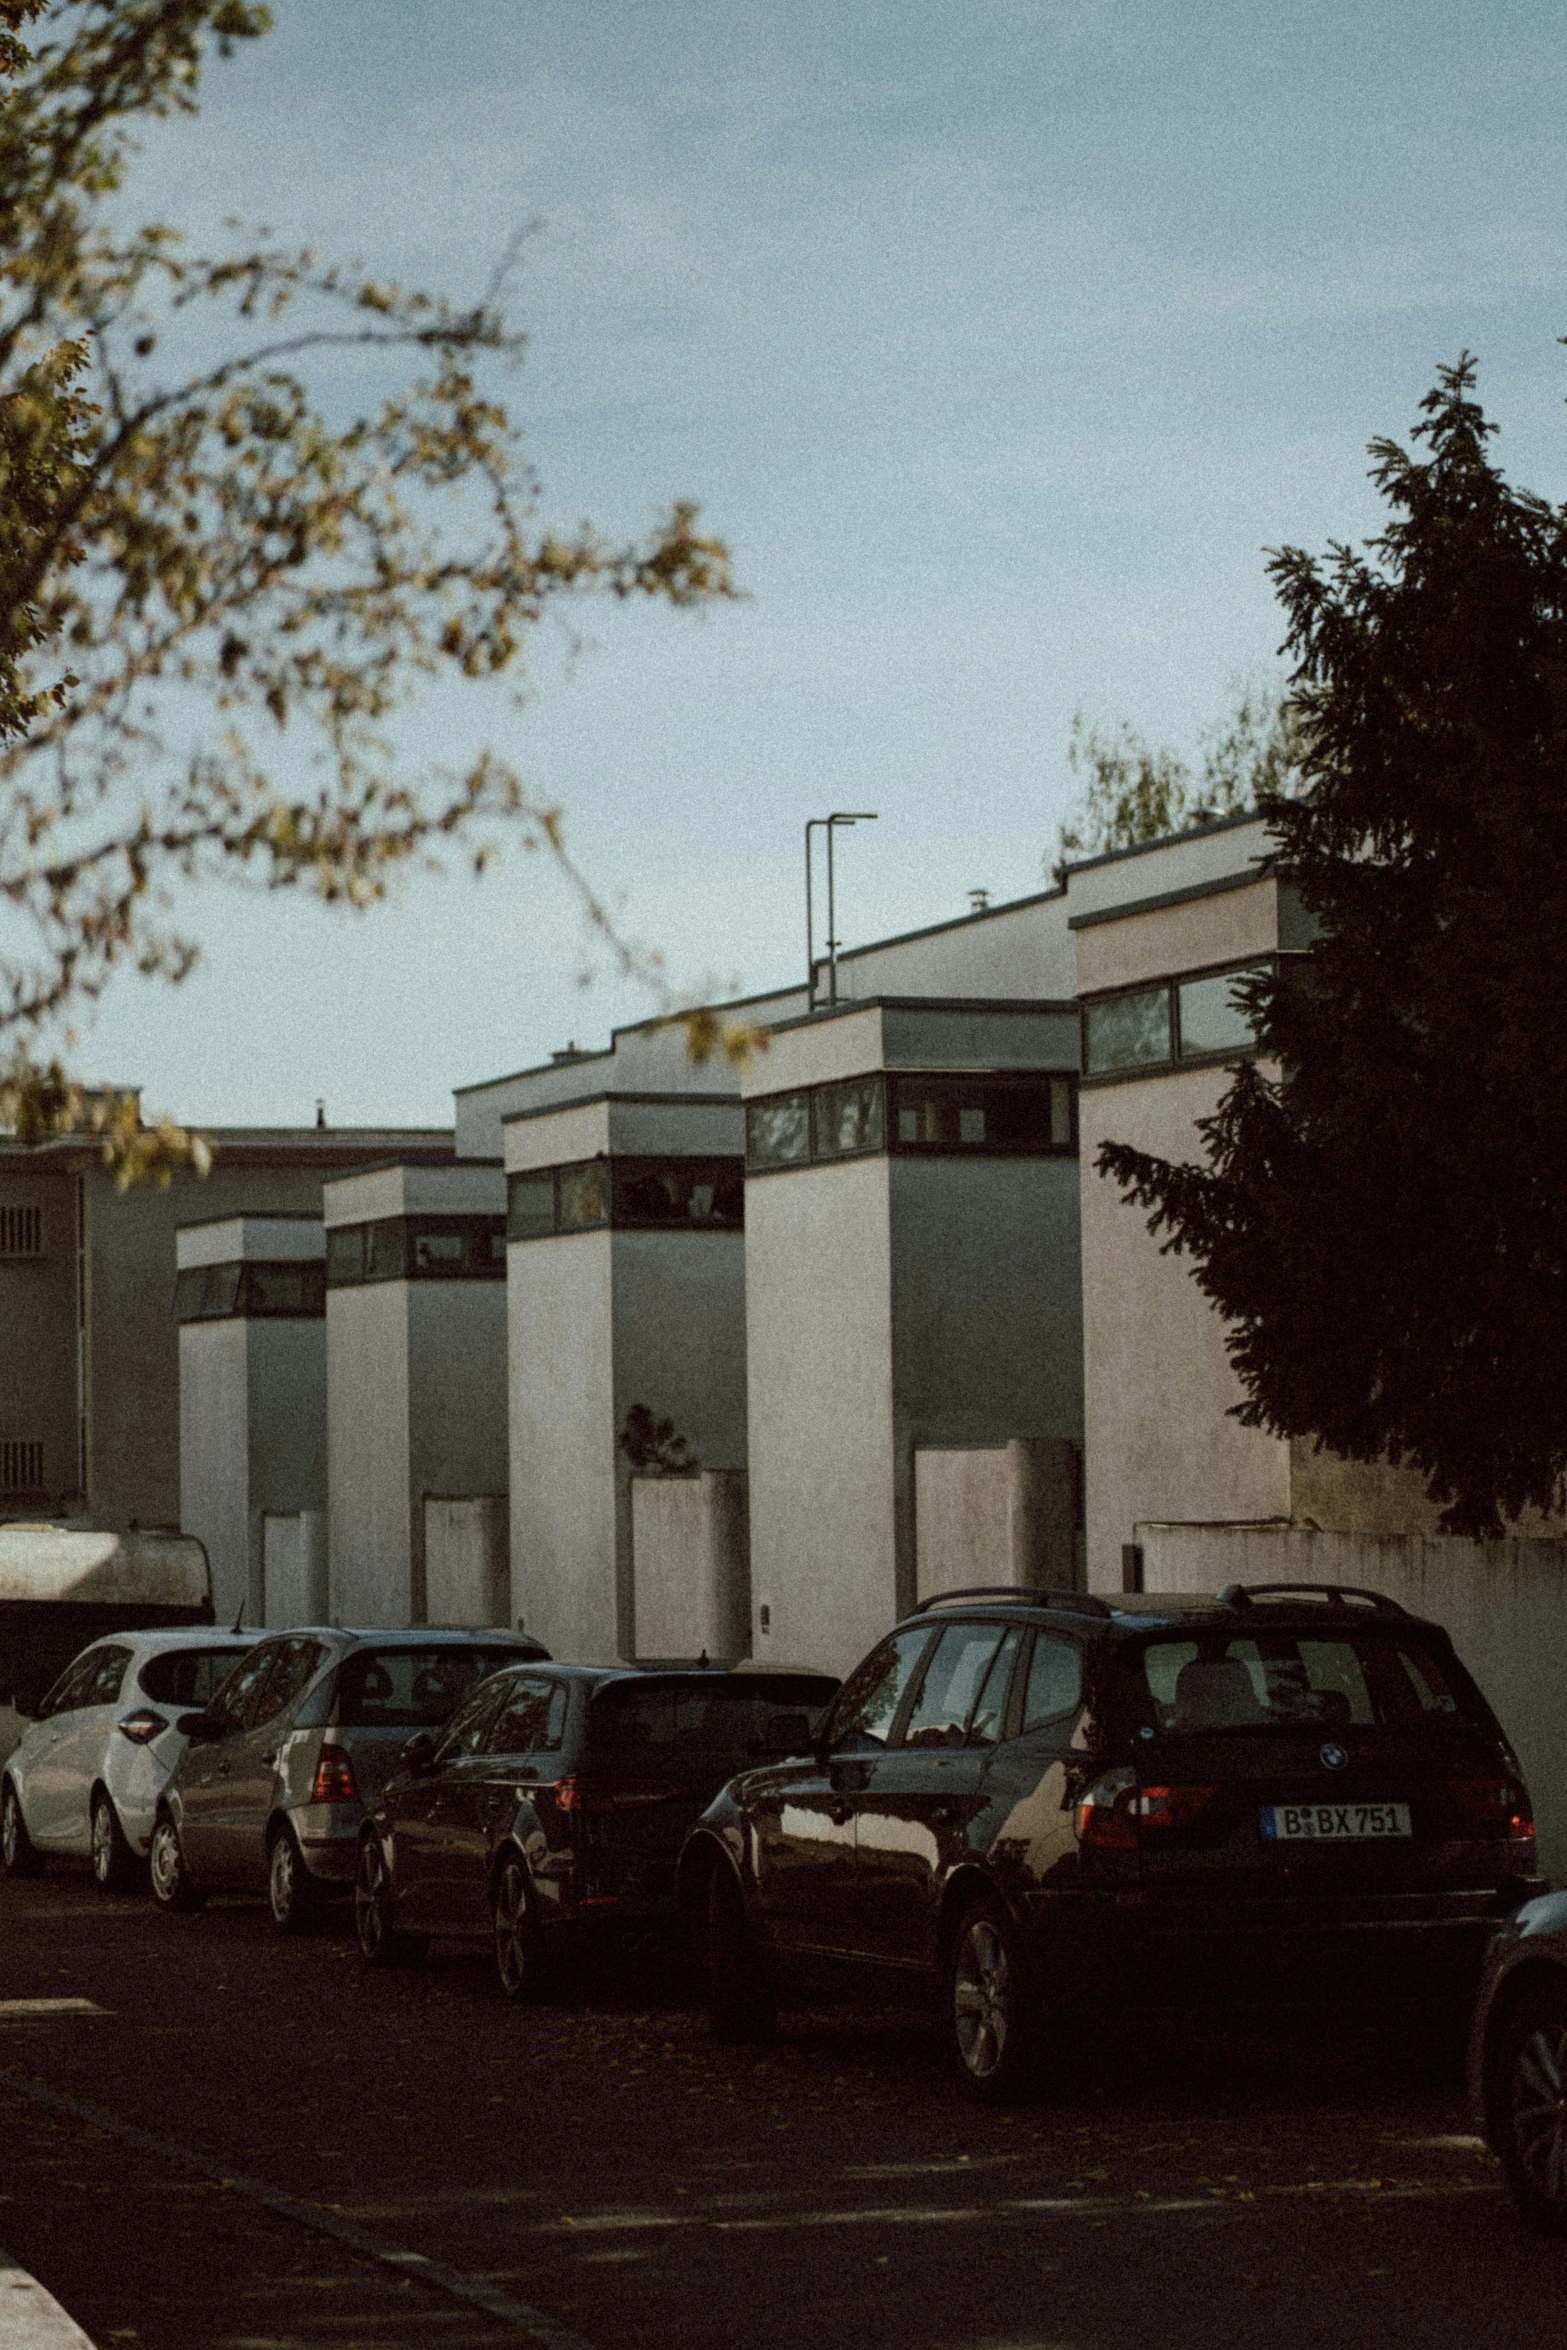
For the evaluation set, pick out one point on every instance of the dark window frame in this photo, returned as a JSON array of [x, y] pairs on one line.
[[622, 1170], [388, 1250], [891, 1145], [200, 1294], [1171, 983]]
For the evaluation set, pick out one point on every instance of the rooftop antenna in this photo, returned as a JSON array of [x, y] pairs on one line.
[[827, 824], [320, 1112], [979, 901]]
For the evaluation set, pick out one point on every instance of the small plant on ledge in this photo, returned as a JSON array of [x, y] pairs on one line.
[[654, 1447]]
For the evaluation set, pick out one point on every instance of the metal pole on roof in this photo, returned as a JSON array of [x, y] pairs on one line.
[[810, 932], [855, 816]]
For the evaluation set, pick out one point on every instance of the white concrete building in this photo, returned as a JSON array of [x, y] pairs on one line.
[[625, 1289], [416, 1378], [912, 1288], [249, 1297]]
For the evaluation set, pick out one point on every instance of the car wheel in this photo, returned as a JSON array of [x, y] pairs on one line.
[[519, 1964], [172, 1888], [1529, 2102], [17, 1849], [991, 2016], [742, 1998], [113, 1862], [380, 1943], [292, 1893]]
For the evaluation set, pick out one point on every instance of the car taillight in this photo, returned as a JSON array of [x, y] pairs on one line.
[[142, 1726], [335, 1777], [579, 1793], [1115, 1813], [1504, 1807]]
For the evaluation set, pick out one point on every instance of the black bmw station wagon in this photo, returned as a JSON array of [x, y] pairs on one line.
[[1037, 1802]]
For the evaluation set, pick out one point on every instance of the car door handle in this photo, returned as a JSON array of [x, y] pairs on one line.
[[270, 1759], [840, 1814], [223, 1770]]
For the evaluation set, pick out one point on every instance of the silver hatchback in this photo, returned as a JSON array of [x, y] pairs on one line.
[[283, 1759]]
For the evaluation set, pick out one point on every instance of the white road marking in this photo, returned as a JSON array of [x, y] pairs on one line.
[[26, 2007]]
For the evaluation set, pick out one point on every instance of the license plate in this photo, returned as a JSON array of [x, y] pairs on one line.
[[1333, 1823]]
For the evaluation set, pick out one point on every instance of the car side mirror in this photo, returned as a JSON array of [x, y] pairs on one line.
[[419, 1753]]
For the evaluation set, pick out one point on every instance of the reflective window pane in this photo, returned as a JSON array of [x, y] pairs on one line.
[[1128, 1031], [1212, 1019], [284, 1289], [583, 1195], [670, 1193], [530, 1205], [848, 1118], [345, 1255], [953, 1680], [993, 1115], [384, 1257], [868, 1701], [985, 1723], [1055, 1680], [778, 1130]]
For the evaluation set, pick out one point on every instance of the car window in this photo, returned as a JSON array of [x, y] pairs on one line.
[[1055, 1680], [953, 1680], [70, 1690], [103, 1688], [531, 1718], [186, 1676], [412, 1688], [869, 1700], [712, 1721], [294, 1661], [1215, 1682], [985, 1722], [465, 1731], [235, 1701]]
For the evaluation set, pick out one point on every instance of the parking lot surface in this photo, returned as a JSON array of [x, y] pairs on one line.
[[603, 2173]]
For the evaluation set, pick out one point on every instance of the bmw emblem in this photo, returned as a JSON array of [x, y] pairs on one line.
[[1334, 1757]]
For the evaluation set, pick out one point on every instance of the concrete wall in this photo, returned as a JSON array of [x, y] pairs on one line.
[[690, 1553], [818, 1268], [561, 1385], [294, 1569], [1504, 1603], [1158, 1384], [467, 1561], [456, 1402], [996, 1514], [368, 1454], [987, 1315], [215, 1487]]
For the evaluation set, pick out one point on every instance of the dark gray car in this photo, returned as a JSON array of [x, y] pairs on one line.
[[1518, 2059], [290, 1749]]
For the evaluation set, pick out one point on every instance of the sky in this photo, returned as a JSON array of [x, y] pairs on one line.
[[998, 340]]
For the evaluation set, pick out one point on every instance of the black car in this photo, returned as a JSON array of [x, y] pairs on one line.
[[1518, 2059], [556, 1803], [1047, 1804]]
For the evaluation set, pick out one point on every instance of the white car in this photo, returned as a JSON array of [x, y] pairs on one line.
[[97, 1754]]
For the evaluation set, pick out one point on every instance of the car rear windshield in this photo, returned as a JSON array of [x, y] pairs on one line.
[[411, 1688], [733, 1722], [186, 1676], [1267, 1680]]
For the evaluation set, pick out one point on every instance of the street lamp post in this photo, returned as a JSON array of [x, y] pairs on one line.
[[827, 824]]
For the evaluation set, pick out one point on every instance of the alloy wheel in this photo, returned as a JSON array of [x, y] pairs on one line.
[[105, 1857], [371, 1923], [10, 1826], [1537, 2102], [166, 1866], [982, 1998], [514, 1959]]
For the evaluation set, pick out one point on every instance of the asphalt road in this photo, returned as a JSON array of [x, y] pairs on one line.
[[598, 2161]]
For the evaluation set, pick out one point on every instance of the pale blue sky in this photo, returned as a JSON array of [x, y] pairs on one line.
[[999, 340]]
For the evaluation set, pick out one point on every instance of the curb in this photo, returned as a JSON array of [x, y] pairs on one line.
[[30, 2318]]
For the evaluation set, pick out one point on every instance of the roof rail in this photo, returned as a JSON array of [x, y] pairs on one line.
[[1082, 1603], [1336, 1595]]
